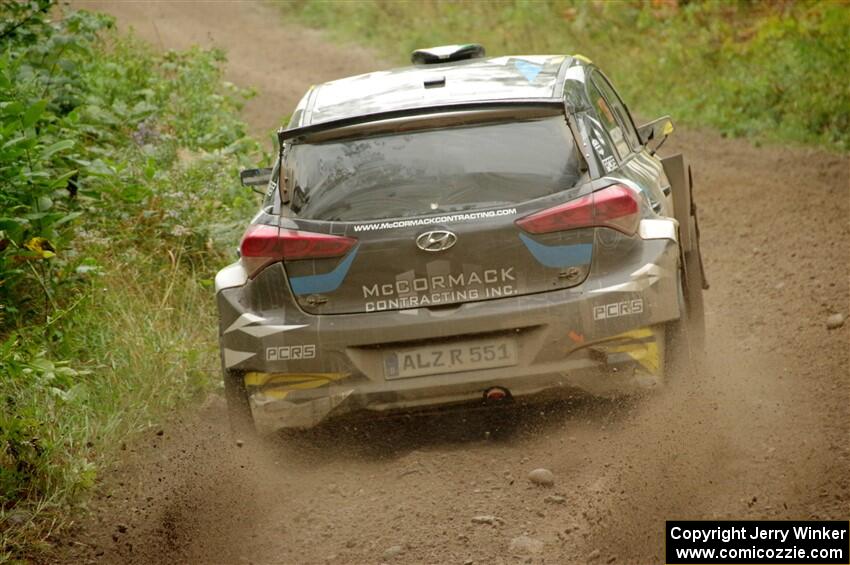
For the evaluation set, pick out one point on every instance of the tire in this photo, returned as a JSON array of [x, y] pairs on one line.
[[694, 302], [685, 338], [238, 407], [677, 343]]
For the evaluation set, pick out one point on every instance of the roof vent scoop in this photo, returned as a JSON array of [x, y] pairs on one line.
[[446, 54]]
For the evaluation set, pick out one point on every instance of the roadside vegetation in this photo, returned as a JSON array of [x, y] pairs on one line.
[[118, 200], [767, 70]]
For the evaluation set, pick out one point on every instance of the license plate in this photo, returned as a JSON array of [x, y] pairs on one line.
[[437, 359]]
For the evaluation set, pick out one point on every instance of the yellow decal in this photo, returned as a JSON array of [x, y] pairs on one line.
[[263, 379], [279, 385], [583, 59], [644, 345]]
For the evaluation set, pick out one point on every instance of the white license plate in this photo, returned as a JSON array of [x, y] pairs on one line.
[[437, 359]]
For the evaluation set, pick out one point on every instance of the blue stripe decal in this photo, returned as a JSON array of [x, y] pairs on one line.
[[328, 282], [557, 256], [528, 70]]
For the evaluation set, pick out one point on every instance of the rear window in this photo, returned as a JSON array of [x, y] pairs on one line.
[[432, 171]]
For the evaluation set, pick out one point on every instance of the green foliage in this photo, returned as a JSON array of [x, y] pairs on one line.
[[746, 68], [84, 135], [119, 200]]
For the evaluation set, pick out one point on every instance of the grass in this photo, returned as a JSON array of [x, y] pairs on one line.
[[120, 202], [136, 354], [774, 71]]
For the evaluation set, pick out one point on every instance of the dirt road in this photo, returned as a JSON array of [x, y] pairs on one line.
[[764, 434]]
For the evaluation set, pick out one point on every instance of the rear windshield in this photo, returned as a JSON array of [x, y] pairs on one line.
[[432, 171]]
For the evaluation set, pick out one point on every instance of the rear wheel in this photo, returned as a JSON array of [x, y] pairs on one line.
[[238, 407], [685, 338], [694, 302]]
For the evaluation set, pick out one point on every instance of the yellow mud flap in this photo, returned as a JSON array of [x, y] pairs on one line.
[[643, 346]]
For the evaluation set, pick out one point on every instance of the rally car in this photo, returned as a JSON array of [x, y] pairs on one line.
[[463, 230]]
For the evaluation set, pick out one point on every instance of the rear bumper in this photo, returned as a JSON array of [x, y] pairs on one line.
[[302, 369], [308, 408]]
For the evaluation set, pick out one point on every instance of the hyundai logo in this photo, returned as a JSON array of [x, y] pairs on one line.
[[438, 240]]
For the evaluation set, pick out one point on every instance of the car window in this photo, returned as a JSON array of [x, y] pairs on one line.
[[432, 171], [619, 109], [608, 120]]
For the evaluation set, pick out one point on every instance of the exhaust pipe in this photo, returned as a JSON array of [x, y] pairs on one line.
[[496, 394]]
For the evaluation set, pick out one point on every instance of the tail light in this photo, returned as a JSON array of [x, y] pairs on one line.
[[615, 207], [263, 245]]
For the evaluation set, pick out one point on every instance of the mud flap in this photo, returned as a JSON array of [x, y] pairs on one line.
[[641, 350], [704, 278], [685, 211]]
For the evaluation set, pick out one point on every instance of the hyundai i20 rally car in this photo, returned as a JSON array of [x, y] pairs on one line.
[[467, 229]]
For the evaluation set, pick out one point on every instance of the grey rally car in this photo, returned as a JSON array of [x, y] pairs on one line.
[[464, 230]]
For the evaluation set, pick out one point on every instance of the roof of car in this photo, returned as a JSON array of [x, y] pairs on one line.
[[530, 77]]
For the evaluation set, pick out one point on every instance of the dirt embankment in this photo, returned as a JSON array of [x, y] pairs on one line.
[[764, 434]]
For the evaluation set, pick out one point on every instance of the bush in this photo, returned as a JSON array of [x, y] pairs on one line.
[[119, 200]]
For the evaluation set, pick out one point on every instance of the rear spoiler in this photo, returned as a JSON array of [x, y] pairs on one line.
[[545, 106]]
